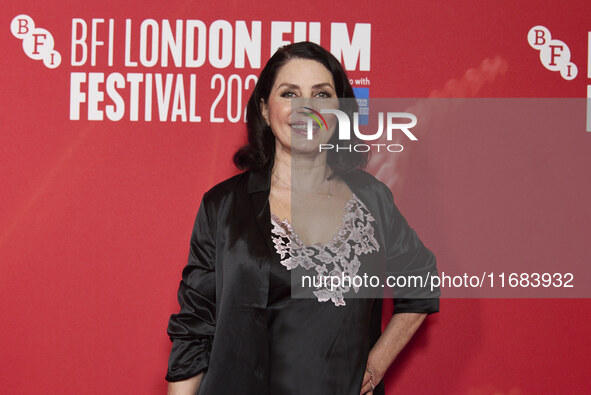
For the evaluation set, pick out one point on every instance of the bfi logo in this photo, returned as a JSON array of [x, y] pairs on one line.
[[37, 42], [554, 54]]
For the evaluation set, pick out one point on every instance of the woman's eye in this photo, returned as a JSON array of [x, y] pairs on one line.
[[323, 95], [288, 94]]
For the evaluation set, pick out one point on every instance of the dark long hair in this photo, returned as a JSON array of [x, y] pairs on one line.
[[259, 152]]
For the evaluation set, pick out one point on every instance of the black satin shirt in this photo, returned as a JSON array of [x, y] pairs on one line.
[[222, 326]]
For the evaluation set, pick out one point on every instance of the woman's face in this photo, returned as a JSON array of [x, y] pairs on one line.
[[300, 79]]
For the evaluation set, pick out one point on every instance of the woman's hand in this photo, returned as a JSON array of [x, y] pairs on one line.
[[398, 332], [374, 373]]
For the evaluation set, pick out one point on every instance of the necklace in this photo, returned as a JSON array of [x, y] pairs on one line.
[[328, 194]]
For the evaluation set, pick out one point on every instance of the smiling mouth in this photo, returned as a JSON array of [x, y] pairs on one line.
[[302, 127]]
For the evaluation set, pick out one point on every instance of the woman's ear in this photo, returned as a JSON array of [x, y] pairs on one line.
[[265, 112]]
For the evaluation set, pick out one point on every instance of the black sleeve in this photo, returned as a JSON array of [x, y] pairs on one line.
[[409, 258], [191, 330]]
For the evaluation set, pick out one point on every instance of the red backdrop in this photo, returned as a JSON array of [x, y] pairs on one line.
[[96, 214]]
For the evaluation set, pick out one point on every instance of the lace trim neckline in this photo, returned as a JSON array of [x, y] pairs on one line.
[[338, 257], [336, 237]]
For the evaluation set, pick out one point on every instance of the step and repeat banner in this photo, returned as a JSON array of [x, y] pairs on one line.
[[118, 116]]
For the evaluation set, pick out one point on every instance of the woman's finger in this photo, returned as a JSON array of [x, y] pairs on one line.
[[366, 389], [366, 384]]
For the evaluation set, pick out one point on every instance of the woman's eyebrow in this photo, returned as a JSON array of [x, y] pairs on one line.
[[323, 85], [294, 86], [290, 86]]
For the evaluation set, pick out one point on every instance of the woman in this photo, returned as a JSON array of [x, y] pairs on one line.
[[297, 211]]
